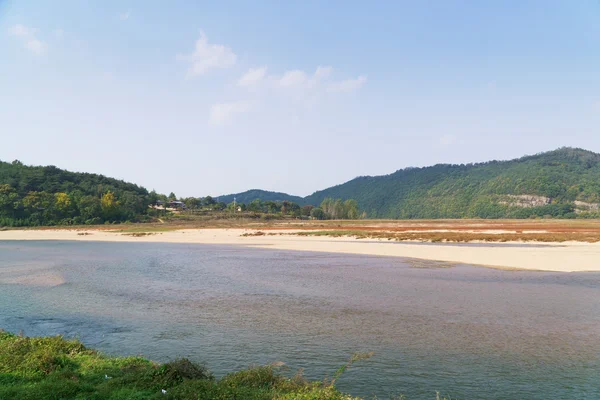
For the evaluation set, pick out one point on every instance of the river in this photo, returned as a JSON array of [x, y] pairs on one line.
[[468, 332]]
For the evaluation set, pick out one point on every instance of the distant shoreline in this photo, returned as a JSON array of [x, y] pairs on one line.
[[550, 256]]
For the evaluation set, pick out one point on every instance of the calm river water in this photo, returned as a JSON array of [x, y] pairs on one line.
[[468, 332]]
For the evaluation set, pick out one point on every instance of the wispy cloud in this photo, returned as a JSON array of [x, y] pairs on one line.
[[253, 76], [293, 88], [221, 113], [323, 72], [348, 85], [124, 16], [29, 38], [298, 79], [208, 56], [295, 78]]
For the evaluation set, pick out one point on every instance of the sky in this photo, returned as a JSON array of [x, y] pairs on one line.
[[209, 98]]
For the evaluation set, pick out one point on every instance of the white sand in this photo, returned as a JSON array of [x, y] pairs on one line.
[[565, 257]]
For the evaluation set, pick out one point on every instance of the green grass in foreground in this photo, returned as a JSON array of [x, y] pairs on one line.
[[55, 368]]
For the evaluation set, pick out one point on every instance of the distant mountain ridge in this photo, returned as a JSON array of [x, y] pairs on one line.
[[559, 183], [264, 195]]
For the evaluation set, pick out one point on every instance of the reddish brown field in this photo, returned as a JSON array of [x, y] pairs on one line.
[[419, 230], [454, 230]]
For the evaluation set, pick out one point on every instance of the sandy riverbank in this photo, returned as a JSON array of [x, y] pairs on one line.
[[565, 257]]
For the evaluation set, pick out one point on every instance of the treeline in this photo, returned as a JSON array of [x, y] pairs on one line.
[[257, 206], [336, 209], [34, 196], [44, 196], [329, 208]]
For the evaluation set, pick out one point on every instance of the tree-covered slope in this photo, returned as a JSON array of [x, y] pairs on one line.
[[264, 195], [35, 195], [552, 182]]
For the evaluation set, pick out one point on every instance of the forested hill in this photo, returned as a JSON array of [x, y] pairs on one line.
[[264, 195], [559, 183], [32, 195]]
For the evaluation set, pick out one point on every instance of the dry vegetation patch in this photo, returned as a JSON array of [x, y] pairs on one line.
[[139, 234]]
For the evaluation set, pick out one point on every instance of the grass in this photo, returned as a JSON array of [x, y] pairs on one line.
[[139, 234], [53, 368], [464, 230], [457, 230], [460, 237]]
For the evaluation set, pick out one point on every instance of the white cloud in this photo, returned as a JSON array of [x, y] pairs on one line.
[[298, 79], [21, 30], [293, 88], [35, 46], [59, 33], [124, 16], [323, 72], [253, 76], [447, 140], [294, 78], [223, 112], [348, 85], [28, 36], [208, 56]]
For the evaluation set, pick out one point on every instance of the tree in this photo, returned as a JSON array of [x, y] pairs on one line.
[[172, 196], [191, 202], [153, 197], [90, 208], [272, 207], [208, 201], [110, 206], [62, 202], [306, 210], [351, 209], [8, 199], [256, 206], [284, 207], [294, 209], [219, 206], [317, 213]]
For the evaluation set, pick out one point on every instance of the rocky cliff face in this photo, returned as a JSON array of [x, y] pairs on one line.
[[582, 206], [531, 200], [525, 200]]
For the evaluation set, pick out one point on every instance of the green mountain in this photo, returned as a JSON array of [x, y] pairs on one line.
[[35, 195], [264, 195], [559, 183]]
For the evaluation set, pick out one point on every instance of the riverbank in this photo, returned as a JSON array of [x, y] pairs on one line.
[[547, 256], [55, 368]]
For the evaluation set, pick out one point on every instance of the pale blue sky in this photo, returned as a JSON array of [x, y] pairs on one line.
[[201, 98]]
